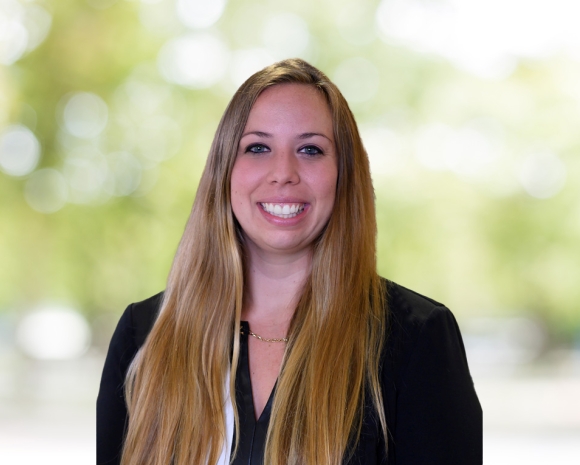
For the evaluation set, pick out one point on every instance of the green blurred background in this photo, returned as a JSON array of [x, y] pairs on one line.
[[469, 110], [476, 170]]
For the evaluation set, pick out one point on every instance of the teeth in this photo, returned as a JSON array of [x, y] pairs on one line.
[[285, 210]]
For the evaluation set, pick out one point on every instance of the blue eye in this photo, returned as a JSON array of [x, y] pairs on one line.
[[257, 148], [311, 150]]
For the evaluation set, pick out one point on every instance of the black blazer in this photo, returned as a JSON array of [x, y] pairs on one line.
[[433, 414]]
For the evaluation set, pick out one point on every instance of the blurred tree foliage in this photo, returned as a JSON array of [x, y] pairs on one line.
[[473, 238]]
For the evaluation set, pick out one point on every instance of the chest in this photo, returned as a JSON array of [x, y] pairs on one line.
[[255, 391], [264, 362]]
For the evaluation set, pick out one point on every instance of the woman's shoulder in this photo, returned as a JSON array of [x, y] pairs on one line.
[[135, 324], [428, 391], [405, 303], [142, 316], [418, 326], [129, 335], [409, 309]]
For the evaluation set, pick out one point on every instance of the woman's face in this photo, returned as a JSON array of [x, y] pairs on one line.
[[284, 177]]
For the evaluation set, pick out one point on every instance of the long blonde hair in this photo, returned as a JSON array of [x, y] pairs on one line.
[[175, 385]]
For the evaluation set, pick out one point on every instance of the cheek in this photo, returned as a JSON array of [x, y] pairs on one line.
[[329, 182], [237, 202], [241, 188], [237, 183], [243, 176]]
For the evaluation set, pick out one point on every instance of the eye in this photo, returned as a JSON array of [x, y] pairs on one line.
[[311, 150], [257, 148]]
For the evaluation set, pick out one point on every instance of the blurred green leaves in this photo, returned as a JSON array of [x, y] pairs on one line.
[[476, 177]]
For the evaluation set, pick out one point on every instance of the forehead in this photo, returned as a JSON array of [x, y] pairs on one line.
[[291, 103]]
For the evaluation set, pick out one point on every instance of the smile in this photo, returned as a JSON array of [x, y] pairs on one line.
[[283, 210]]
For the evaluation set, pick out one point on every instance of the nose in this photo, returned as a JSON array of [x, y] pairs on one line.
[[284, 168]]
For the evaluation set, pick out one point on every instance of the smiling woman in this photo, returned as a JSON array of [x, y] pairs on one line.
[[284, 176], [276, 341]]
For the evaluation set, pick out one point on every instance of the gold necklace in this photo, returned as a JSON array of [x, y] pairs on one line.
[[265, 339]]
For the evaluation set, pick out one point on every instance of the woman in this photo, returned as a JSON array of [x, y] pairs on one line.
[[276, 341]]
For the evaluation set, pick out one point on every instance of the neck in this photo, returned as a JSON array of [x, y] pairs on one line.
[[273, 287]]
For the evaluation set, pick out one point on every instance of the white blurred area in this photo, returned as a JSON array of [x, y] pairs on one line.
[[483, 37], [49, 376], [528, 392], [23, 27]]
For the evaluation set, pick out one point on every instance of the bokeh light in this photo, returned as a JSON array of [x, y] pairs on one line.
[[19, 150], [23, 26], [472, 152], [37, 21], [137, 99], [286, 35], [358, 79], [478, 35], [85, 170], [157, 138], [432, 142], [46, 191], [385, 150], [53, 333], [124, 174], [195, 60], [244, 63], [13, 34], [159, 17], [354, 21], [198, 14], [468, 151], [542, 174], [84, 114]]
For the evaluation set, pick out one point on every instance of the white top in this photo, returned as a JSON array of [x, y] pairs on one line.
[[229, 414]]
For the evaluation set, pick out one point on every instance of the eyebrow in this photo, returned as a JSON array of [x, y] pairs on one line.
[[308, 135], [267, 135], [257, 133]]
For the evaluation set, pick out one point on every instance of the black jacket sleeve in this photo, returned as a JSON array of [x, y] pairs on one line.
[[130, 334], [111, 409], [439, 418]]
